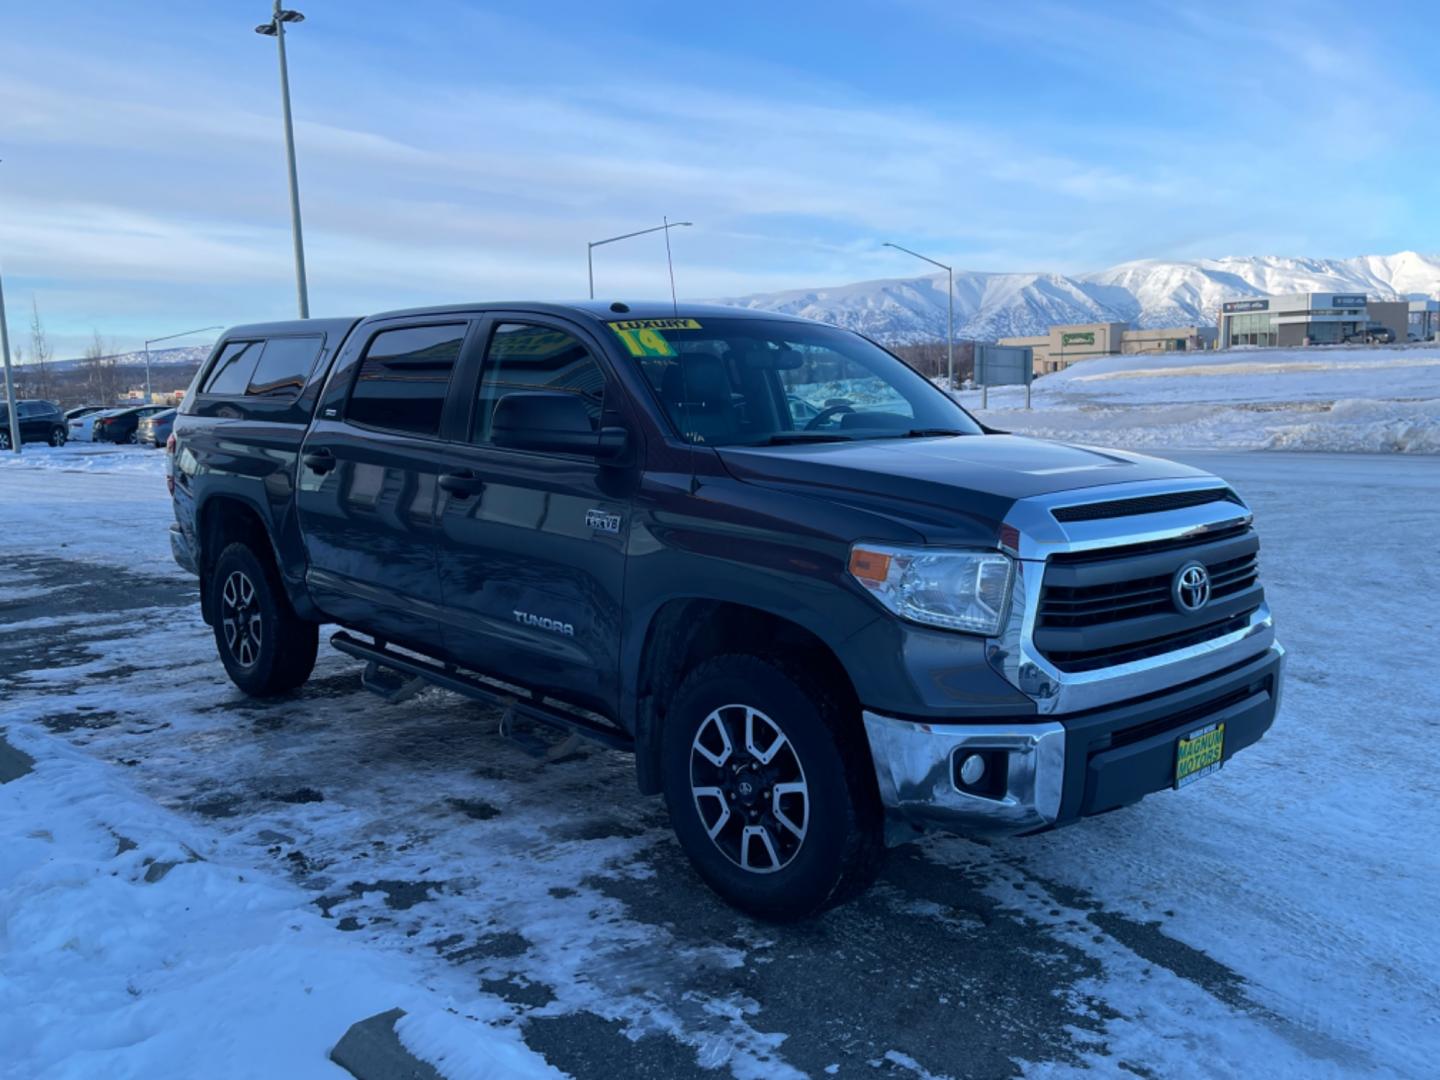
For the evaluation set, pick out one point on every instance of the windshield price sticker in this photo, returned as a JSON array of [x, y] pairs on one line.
[[643, 337]]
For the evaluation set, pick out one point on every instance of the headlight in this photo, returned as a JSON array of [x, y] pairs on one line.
[[957, 590]]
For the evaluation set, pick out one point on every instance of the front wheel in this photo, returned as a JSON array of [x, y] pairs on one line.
[[4, 439], [770, 788], [266, 648]]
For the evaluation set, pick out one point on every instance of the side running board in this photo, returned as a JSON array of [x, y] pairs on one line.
[[386, 674]]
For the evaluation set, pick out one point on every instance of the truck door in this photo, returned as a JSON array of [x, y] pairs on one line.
[[367, 482], [532, 545]]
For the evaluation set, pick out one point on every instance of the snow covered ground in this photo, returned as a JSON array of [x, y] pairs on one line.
[[1325, 399], [301, 864], [88, 458]]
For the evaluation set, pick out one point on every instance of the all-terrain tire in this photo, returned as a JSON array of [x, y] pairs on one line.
[[823, 751], [265, 646]]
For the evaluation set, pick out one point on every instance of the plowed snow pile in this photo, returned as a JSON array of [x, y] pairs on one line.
[[1365, 400]]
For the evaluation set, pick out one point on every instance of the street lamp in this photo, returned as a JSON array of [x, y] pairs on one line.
[[14, 410], [593, 244], [167, 337], [950, 325], [276, 28]]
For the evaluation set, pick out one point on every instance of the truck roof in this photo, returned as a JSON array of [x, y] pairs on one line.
[[604, 310], [598, 310], [291, 326]]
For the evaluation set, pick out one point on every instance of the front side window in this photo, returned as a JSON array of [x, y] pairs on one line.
[[524, 357], [403, 380], [284, 365], [755, 382], [233, 368]]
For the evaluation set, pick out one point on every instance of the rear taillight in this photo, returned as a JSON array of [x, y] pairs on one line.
[[170, 463]]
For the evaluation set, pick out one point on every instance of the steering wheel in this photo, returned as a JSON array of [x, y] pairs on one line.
[[825, 414]]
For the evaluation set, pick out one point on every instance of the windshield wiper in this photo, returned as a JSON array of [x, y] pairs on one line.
[[932, 433], [787, 437]]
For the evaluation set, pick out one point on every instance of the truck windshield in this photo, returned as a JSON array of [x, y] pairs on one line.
[[761, 382]]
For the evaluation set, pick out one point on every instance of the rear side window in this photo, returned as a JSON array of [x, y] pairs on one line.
[[403, 380], [524, 357], [232, 370], [284, 365]]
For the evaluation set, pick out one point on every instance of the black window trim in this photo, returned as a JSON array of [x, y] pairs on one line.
[[467, 343], [285, 398], [210, 369], [613, 396]]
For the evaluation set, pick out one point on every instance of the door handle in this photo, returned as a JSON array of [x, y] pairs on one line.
[[461, 484], [318, 461]]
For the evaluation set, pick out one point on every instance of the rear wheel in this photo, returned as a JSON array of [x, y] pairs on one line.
[[266, 648], [770, 788], [133, 438], [57, 436], [4, 438]]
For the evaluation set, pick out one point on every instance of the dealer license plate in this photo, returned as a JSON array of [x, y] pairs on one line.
[[1199, 754]]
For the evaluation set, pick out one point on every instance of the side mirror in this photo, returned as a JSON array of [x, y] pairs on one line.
[[555, 422]]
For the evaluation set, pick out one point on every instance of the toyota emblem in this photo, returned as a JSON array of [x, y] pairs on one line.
[[1191, 588]]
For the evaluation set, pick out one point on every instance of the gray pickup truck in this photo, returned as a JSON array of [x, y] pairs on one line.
[[822, 605]]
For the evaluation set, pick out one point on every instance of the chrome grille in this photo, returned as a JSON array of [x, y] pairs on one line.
[[1113, 606]]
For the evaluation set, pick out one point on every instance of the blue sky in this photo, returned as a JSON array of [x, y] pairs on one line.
[[453, 151]]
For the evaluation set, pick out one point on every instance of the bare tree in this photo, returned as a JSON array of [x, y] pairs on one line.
[[100, 375], [930, 358], [42, 353]]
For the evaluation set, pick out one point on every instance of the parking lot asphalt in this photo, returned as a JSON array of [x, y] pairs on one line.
[[1123, 945]]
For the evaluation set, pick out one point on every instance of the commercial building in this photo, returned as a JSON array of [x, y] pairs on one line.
[[1064, 345], [1423, 320], [1308, 319]]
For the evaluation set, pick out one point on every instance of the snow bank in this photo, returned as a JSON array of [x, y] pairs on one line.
[[1352, 400], [134, 948], [87, 457]]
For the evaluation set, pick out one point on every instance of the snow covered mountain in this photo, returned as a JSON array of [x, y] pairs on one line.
[[191, 355], [1144, 293]]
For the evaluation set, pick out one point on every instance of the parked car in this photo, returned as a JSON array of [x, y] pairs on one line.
[[817, 637], [122, 425], [155, 429], [1373, 334], [40, 421], [84, 410], [82, 427]]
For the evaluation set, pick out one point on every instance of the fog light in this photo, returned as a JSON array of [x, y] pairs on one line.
[[972, 769]]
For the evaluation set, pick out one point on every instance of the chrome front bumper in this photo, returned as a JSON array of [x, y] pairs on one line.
[[915, 762], [915, 766]]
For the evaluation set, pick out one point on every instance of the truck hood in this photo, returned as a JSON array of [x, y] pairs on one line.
[[936, 480]]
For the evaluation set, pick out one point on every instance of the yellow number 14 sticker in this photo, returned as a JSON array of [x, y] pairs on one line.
[[644, 337], [644, 342]]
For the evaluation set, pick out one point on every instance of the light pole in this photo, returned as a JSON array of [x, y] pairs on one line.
[[167, 337], [276, 28], [950, 324], [591, 245], [14, 409]]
